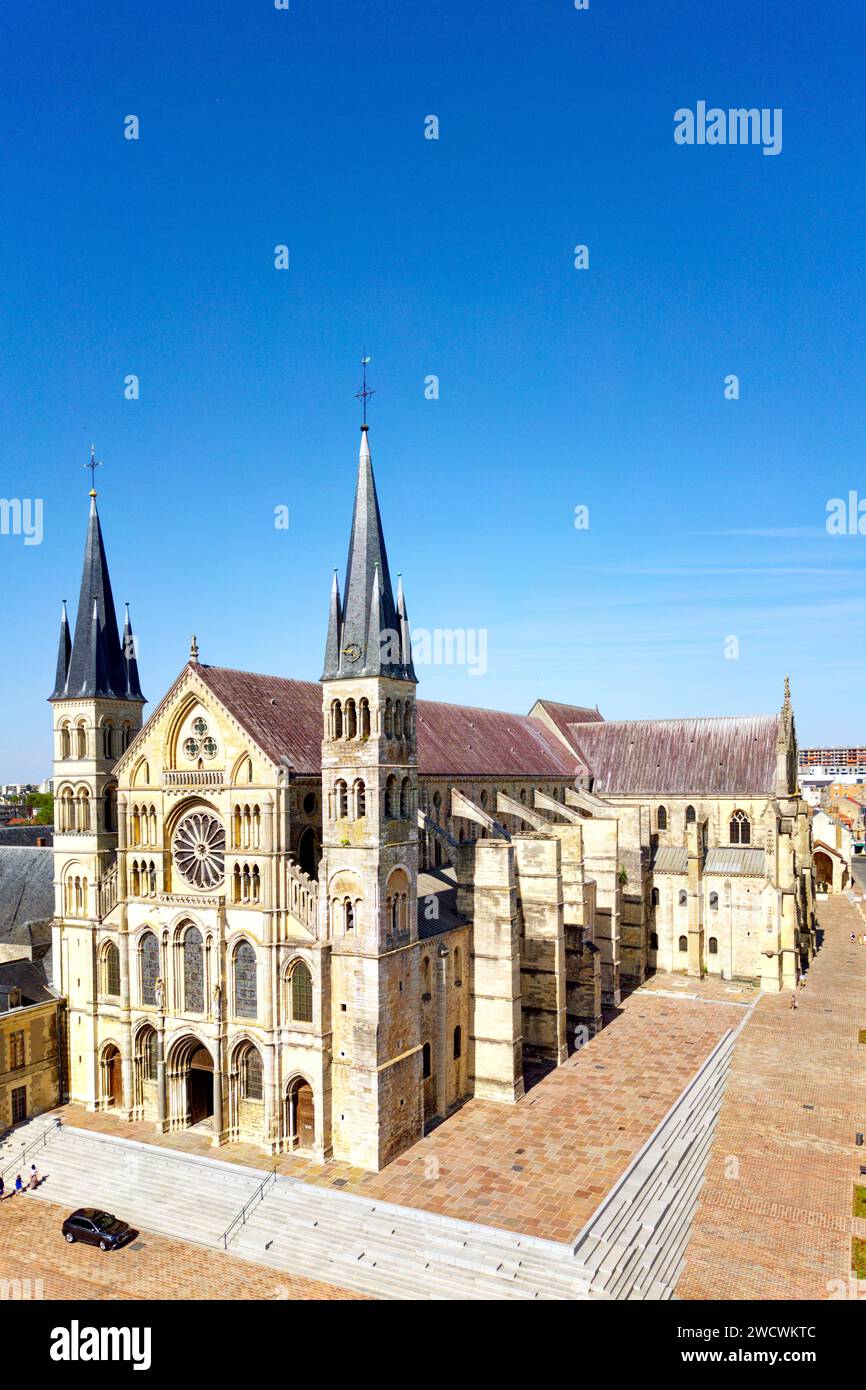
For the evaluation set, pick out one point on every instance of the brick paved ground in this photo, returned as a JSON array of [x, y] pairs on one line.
[[32, 1248], [542, 1166], [782, 1229]]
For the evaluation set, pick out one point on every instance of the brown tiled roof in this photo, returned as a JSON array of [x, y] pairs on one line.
[[730, 756], [563, 715], [285, 719]]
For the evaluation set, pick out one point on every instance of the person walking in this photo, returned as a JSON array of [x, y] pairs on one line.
[[793, 1000], [34, 1177], [19, 1185], [2, 1188]]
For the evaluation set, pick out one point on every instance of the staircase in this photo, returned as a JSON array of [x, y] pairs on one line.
[[633, 1245]]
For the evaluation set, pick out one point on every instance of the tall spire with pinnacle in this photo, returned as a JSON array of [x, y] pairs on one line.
[[364, 631], [96, 665], [64, 651]]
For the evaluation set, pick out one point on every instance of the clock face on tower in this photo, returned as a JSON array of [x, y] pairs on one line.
[[352, 652]]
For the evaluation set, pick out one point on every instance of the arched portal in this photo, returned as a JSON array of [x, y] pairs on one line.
[[823, 871], [190, 1083], [300, 1115], [111, 1077]]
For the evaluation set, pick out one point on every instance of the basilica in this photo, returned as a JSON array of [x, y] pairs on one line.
[[318, 916]]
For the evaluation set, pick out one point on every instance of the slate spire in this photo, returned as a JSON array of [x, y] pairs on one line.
[[96, 665], [64, 651], [364, 631]]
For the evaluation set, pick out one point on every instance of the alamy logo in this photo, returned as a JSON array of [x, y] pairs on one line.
[[77, 1343], [737, 126], [22, 516]]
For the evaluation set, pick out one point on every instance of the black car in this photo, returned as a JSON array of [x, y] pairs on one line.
[[95, 1227]]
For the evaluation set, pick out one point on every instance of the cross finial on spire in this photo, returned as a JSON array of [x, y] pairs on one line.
[[93, 464], [365, 393]]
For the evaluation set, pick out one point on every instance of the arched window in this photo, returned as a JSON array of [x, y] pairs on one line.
[[458, 1042], [135, 877], [108, 739], [109, 808], [389, 720], [245, 884], [84, 809], [405, 798], [147, 1054], [714, 902], [246, 986], [437, 806], [301, 994], [151, 879], [236, 884], [127, 735], [662, 818], [65, 742], [348, 915], [690, 815], [684, 945], [111, 970], [193, 971], [81, 741], [135, 837], [425, 975], [682, 897], [360, 798], [398, 719], [391, 806], [457, 976], [250, 1074], [740, 829], [67, 810], [149, 967], [364, 713], [427, 1067], [336, 720], [236, 824], [257, 828], [351, 720], [654, 941], [655, 897], [257, 884], [341, 799], [392, 907], [714, 946]]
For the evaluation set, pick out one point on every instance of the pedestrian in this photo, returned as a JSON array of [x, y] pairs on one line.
[[802, 981], [19, 1186], [2, 1188], [34, 1177], [793, 1000]]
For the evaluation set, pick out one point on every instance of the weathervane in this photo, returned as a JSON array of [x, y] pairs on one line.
[[93, 465], [365, 393]]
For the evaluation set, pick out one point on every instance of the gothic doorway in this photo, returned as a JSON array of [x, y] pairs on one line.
[[300, 1115], [111, 1077], [200, 1086]]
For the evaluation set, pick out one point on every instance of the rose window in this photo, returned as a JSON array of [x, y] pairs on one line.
[[201, 744], [199, 850]]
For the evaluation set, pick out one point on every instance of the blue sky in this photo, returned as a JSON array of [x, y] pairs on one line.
[[454, 257]]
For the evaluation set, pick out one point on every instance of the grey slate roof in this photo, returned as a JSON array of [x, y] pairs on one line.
[[735, 861], [24, 975], [25, 835], [440, 885], [367, 620], [95, 664], [26, 890], [671, 859]]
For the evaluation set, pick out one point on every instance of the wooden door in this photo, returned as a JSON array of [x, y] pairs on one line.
[[306, 1117]]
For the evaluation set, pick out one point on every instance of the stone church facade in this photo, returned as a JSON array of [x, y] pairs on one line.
[[319, 916]]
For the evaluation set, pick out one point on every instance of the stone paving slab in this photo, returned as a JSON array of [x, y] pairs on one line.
[[775, 1217], [540, 1167], [33, 1249]]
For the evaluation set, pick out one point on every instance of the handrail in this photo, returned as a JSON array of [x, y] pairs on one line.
[[241, 1217], [39, 1142]]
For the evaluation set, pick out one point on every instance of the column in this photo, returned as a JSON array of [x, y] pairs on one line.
[[161, 1114]]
